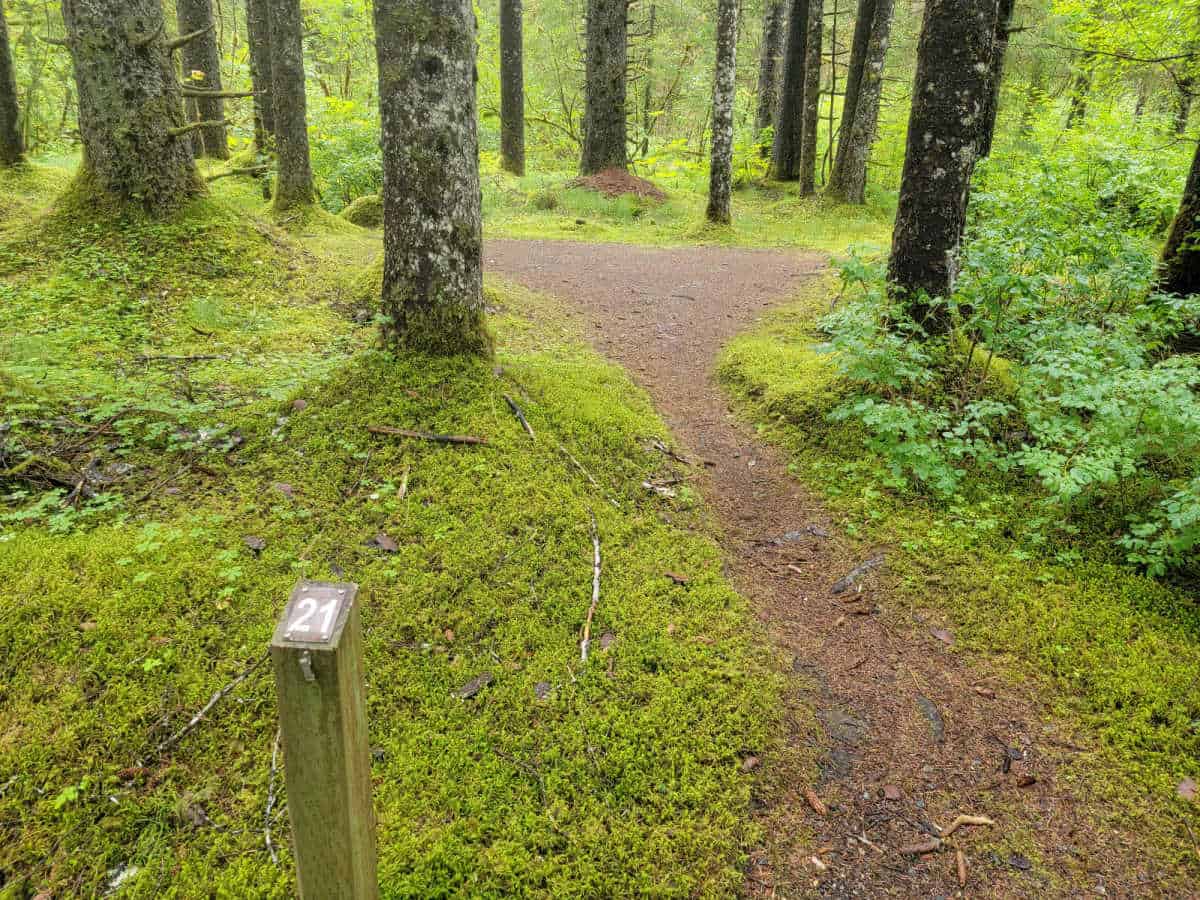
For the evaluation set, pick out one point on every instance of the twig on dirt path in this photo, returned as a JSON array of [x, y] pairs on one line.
[[930, 846], [587, 625], [844, 584], [428, 435], [517, 411], [216, 698], [662, 448], [965, 820], [271, 799]]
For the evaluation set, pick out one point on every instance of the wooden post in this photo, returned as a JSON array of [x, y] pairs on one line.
[[317, 654]]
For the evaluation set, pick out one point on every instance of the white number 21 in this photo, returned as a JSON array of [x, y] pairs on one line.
[[308, 607]]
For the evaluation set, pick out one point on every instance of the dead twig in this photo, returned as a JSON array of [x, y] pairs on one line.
[[428, 436], [818, 806], [960, 862], [586, 474], [271, 799], [965, 820], [517, 411], [591, 613], [216, 698], [844, 584]]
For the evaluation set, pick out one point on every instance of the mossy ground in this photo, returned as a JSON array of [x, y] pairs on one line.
[[1118, 654], [127, 609]]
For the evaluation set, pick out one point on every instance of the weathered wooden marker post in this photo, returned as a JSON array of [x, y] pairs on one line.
[[317, 654]]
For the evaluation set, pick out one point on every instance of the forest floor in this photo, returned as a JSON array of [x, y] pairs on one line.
[[913, 732]]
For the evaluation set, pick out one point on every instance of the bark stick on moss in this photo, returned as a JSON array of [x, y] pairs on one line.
[[720, 185], [433, 241], [605, 130], [201, 60], [294, 183]]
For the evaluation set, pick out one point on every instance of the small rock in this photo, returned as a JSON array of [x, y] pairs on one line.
[[1019, 862], [936, 723], [750, 763], [257, 544], [891, 792], [475, 685], [299, 405], [88, 626], [378, 754], [542, 689]]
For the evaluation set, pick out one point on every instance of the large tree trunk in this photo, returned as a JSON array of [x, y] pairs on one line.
[[258, 29], [848, 181], [995, 77], [512, 88], [769, 64], [433, 240], [1179, 271], [604, 125], [864, 21], [812, 98], [12, 147], [136, 147], [720, 180], [949, 94], [201, 60], [294, 184], [789, 123]]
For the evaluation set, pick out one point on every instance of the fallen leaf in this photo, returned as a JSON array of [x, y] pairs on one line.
[[985, 692], [678, 579], [299, 405], [475, 685], [257, 544], [1187, 789], [815, 802], [382, 542], [286, 489], [946, 637], [750, 763], [891, 792], [1017, 861]]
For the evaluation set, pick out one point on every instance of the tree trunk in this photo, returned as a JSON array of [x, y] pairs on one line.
[[12, 147], [1179, 270], [769, 64], [812, 98], [201, 59], [789, 123], [604, 125], [864, 21], [294, 183], [995, 77], [433, 239], [648, 94], [949, 94], [720, 180], [1183, 103], [512, 88], [258, 28], [136, 147], [1080, 89], [1033, 97], [848, 181]]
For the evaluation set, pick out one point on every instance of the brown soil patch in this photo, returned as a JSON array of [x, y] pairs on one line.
[[912, 733], [615, 182]]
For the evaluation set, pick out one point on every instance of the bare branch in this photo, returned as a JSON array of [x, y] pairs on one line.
[[184, 39]]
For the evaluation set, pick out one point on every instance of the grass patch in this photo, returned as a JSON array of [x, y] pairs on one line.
[[624, 779], [1117, 653]]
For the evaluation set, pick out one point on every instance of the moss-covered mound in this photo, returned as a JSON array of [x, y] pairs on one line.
[[365, 212]]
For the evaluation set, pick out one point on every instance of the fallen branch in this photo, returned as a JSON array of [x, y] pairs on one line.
[[271, 799], [516, 411], [428, 436], [252, 170], [184, 39], [203, 94], [668, 452], [200, 357], [930, 846], [587, 625], [216, 698], [966, 820], [196, 126], [844, 584]]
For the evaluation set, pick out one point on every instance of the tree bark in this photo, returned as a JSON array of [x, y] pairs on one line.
[[774, 24], [848, 181], [648, 93], [433, 240], [201, 59], [258, 28], [12, 147], [294, 183], [812, 98], [949, 95], [864, 21], [720, 180], [604, 125], [789, 123], [135, 143], [995, 77], [512, 88], [1080, 88], [1183, 103], [1179, 270]]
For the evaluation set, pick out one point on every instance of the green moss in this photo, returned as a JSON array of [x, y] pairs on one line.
[[25, 189], [365, 212]]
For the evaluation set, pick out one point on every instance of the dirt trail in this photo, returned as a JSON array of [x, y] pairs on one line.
[[913, 734]]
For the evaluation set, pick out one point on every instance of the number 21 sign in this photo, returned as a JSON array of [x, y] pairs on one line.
[[315, 612]]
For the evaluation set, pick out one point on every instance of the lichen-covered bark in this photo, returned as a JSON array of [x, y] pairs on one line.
[[604, 125], [812, 97], [860, 119], [864, 20], [949, 94], [201, 59], [258, 30], [769, 63], [789, 121], [433, 242], [996, 77], [130, 105], [720, 180], [512, 88], [12, 148], [294, 183]]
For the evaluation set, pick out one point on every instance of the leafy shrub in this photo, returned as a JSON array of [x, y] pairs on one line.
[[346, 158]]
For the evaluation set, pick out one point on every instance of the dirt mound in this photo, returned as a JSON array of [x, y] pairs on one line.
[[615, 182]]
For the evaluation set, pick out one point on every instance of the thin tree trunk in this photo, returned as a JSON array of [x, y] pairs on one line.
[[1183, 103], [604, 125], [848, 181], [720, 181], [294, 183], [789, 123], [12, 147], [512, 88], [1033, 97], [995, 77], [1080, 88], [201, 58], [864, 21], [433, 239], [258, 30], [648, 93], [135, 141], [769, 64], [812, 98], [949, 94]]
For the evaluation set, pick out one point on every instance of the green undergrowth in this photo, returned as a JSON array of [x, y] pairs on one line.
[[619, 777], [1118, 653]]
